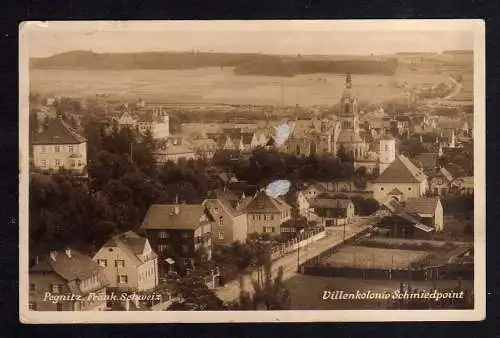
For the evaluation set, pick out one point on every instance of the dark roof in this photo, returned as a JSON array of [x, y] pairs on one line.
[[262, 203], [428, 160], [421, 205], [78, 266], [387, 137], [164, 216], [401, 170], [58, 132], [333, 203], [225, 199]]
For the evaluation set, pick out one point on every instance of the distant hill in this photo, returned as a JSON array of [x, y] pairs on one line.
[[245, 64], [460, 51]]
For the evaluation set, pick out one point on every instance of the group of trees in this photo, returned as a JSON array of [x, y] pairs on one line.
[[265, 166]]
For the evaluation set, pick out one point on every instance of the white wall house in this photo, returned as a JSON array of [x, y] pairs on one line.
[[59, 146], [129, 262], [401, 180]]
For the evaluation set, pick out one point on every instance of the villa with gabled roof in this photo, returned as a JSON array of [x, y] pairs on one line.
[[59, 146], [401, 180], [129, 262]]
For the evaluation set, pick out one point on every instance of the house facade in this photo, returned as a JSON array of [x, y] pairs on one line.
[[441, 182], [129, 262], [67, 273], [334, 211], [266, 213], [178, 231], [59, 146], [230, 222], [401, 180]]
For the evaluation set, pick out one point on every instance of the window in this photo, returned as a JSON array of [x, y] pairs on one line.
[[57, 162], [80, 163], [382, 189], [163, 234], [59, 306], [268, 229], [32, 306], [55, 288], [216, 210], [73, 163], [43, 163], [102, 262], [57, 149], [386, 148], [272, 217], [162, 248], [253, 217], [185, 248], [44, 149], [221, 235], [221, 221], [265, 217], [119, 263], [409, 188], [32, 287], [122, 279], [258, 217], [70, 149]]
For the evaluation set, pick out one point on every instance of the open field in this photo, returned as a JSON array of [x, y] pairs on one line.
[[213, 85], [367, 257]]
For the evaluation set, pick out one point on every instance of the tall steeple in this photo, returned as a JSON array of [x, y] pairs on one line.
[[348, 83]]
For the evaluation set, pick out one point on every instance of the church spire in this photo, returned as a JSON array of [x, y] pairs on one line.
[[348, 83]]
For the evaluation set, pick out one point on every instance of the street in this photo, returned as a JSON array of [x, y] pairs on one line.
[[334, 237]]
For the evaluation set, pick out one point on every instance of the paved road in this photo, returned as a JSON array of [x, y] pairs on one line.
[[231, 290]]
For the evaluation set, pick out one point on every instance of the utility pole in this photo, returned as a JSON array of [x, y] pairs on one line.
[[298, 249]]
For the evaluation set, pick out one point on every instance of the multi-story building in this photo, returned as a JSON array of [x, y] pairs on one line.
[[334, 211], [400, 180], [266, 213], [178, 231], [230, 220], [129, 262], [71, 274], [59, 146]]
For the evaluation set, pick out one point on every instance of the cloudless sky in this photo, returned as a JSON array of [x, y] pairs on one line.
[[271, 37]]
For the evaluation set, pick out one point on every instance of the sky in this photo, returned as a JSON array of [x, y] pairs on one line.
[[268, 37]]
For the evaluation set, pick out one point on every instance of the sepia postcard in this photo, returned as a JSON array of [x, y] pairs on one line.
[[252, 171]]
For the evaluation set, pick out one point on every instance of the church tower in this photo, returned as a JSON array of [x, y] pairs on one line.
[[387, 152], [349, 107]]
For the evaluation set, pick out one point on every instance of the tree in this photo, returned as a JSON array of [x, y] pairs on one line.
[[272, 294], [196, 296]]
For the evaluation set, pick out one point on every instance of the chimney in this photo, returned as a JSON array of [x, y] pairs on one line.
[[53, 255], [176, 199], [68, 252]]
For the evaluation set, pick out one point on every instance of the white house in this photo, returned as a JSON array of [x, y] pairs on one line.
[[59, 146], [129, 262], [400, 180]]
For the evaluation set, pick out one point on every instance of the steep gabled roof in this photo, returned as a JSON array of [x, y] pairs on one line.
[[263, 203], [131, 244], [58, 132], [164, 216], [76, 267], [225, 200], [401, 170]]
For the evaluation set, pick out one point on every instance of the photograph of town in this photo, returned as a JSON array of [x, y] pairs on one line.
[[191, 168]]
